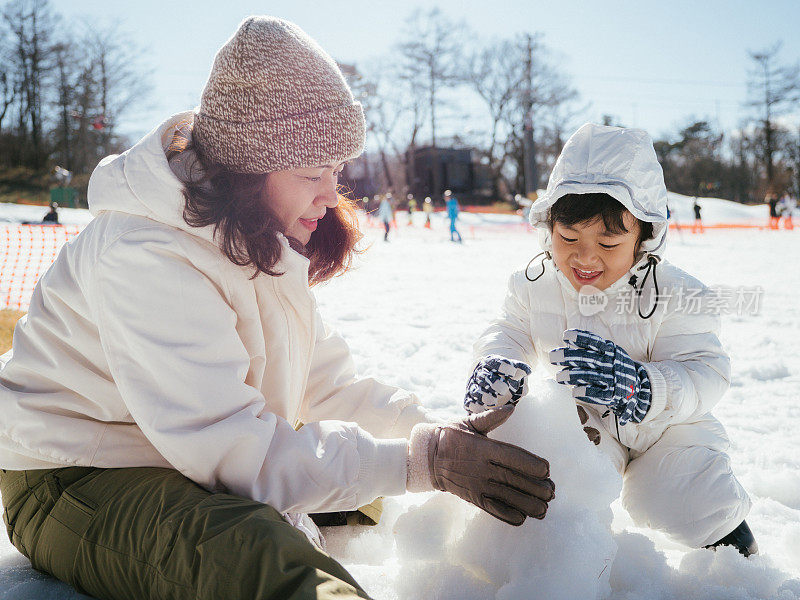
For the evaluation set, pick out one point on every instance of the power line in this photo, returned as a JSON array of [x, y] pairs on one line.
[[666, 81]]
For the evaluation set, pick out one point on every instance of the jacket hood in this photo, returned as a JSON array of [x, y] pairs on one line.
[[617, 161], [140, 182]]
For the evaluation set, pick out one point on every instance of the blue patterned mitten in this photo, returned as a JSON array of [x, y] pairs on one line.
[[603, 373], [496, 381]]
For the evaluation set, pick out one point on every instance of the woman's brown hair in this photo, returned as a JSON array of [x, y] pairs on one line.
[[245, 227]]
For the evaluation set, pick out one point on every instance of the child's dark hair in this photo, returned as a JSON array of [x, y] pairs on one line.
[[578, 208]]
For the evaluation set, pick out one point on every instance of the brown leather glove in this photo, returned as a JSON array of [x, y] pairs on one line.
[[504, 480]]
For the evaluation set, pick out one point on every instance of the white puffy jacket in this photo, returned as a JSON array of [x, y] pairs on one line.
[[678, 344], [145, 346]]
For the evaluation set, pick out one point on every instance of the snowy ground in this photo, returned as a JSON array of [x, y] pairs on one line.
[[17, 213], [412, 308]]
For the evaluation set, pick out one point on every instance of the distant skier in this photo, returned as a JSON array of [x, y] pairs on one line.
[[52, 216], [427, 208], [386, 215], [671, 219], [372, 206], [645, 370], [774, 216], [451, 203], [412, 208], [786, 207], [698, 218]]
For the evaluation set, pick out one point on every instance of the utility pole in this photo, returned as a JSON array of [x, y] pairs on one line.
[[528, 145], [437, 174], [768, 130]]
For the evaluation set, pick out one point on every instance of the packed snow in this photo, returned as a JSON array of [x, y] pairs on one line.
[[448, 549], [28, 213], [411, 309]]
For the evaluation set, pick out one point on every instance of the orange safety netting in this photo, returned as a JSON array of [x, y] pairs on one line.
[[737, 225], [26, 251]]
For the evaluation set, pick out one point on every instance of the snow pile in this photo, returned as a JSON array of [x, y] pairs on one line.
[[436, 546], [640, 572], [449, 549], [444, 548], [716, 210]]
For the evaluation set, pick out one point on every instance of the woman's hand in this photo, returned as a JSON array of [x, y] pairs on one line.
[[506, 481], [496, 381]]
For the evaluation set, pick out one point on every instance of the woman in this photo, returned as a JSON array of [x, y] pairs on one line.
[[149, 405]]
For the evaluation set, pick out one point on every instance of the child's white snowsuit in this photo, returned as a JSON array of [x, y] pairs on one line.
[[677, 476]]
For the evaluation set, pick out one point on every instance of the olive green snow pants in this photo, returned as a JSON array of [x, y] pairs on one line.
[[140, 533]]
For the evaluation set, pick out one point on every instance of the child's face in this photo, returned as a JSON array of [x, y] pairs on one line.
[[588, 254]]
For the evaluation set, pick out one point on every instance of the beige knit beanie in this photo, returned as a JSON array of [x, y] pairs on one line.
[[275, 100]]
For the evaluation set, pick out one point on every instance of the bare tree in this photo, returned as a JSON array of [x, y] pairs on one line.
[[495, 73], [7, 95], [380, 112], [560, 115], [395, 109], [430, 56], [545, 98], [793, 153], [7, 87], [85, 152], [54, 98], [409, 97], [65, 62], [774, 90], [31, 25], [741, 147], [120, 79]]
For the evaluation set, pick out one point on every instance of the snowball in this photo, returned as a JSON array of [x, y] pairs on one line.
[[576, 531], [546, 423]]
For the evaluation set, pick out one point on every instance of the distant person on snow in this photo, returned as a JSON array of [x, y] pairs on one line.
[[386, 215], [52, 216], [645, 370], [427, 208], [698, 217], [786, 207], [774, 216], [412, 208], [174, 406], [451, 204], [670, 219]]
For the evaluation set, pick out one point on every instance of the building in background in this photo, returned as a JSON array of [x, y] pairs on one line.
[[459, 170]]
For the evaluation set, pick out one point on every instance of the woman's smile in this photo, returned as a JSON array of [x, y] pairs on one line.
[[310, 224]]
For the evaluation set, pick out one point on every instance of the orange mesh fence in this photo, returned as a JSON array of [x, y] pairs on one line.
[[738, 225], [26, 251]]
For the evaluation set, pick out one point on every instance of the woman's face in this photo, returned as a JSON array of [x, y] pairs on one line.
[[301, 197], [588, 254]]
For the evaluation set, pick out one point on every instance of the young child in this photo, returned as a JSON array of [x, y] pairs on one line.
[[634, 336]]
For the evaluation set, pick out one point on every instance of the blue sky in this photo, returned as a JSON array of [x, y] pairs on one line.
[[650, 64]]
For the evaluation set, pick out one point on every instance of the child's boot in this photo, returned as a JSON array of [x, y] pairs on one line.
[[740, 538]]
